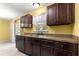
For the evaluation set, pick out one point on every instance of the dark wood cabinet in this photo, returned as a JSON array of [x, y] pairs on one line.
[[52, 14], [66, 49], [45, 47], [26, 21], [35, 47], [28, 45], [69, 47], [60, 14], [20, 43], [47, 50], [60, 52], [57, 48]]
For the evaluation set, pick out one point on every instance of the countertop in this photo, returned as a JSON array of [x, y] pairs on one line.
[[56, 37]]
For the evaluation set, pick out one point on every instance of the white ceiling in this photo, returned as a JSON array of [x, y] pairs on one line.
[[12, 10]]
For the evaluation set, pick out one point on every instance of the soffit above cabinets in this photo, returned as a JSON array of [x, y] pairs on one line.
[[12, 10]]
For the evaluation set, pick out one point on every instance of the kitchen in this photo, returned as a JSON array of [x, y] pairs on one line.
[[48, 31], [39, 29]]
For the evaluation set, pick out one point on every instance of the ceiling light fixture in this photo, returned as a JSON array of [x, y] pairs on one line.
[[36, 5]]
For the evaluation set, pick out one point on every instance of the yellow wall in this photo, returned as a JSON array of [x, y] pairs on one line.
[[4, 30], [76, 26], [63, 29]]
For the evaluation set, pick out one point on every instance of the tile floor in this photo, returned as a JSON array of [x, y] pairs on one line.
[[8, 49]]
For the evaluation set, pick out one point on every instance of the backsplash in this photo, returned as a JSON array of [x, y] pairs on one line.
[[65, 29]]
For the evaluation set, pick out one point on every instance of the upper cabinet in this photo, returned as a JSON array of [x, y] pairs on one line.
[[26, 21], [60, 14]]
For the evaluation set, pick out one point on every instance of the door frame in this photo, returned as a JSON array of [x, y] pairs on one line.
[[13, 30]]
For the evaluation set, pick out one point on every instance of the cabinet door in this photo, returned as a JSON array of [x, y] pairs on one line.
[[20, 43], [28, 46], [52, 14], [30, 19], [47, 50], [62, 13], [22, 21], [26, 21], [71, 12], [35, 47], [65, 13], [47, 47]]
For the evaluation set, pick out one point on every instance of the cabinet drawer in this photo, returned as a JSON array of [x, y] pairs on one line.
[[59, 52], [66, 53], [35, 41], [47, 42], [55, 44], [68, 46]]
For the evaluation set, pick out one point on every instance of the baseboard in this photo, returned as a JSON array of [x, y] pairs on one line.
[[5, 41]]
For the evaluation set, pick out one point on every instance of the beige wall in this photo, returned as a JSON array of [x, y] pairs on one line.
[[76, 25], [4, 30]]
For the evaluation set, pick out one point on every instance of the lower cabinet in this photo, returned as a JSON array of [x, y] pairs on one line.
[[47, 50], [66, 49], [28, 45], [20, 43], [36, 47], [43, 47], [47, 47], [59, 52]]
